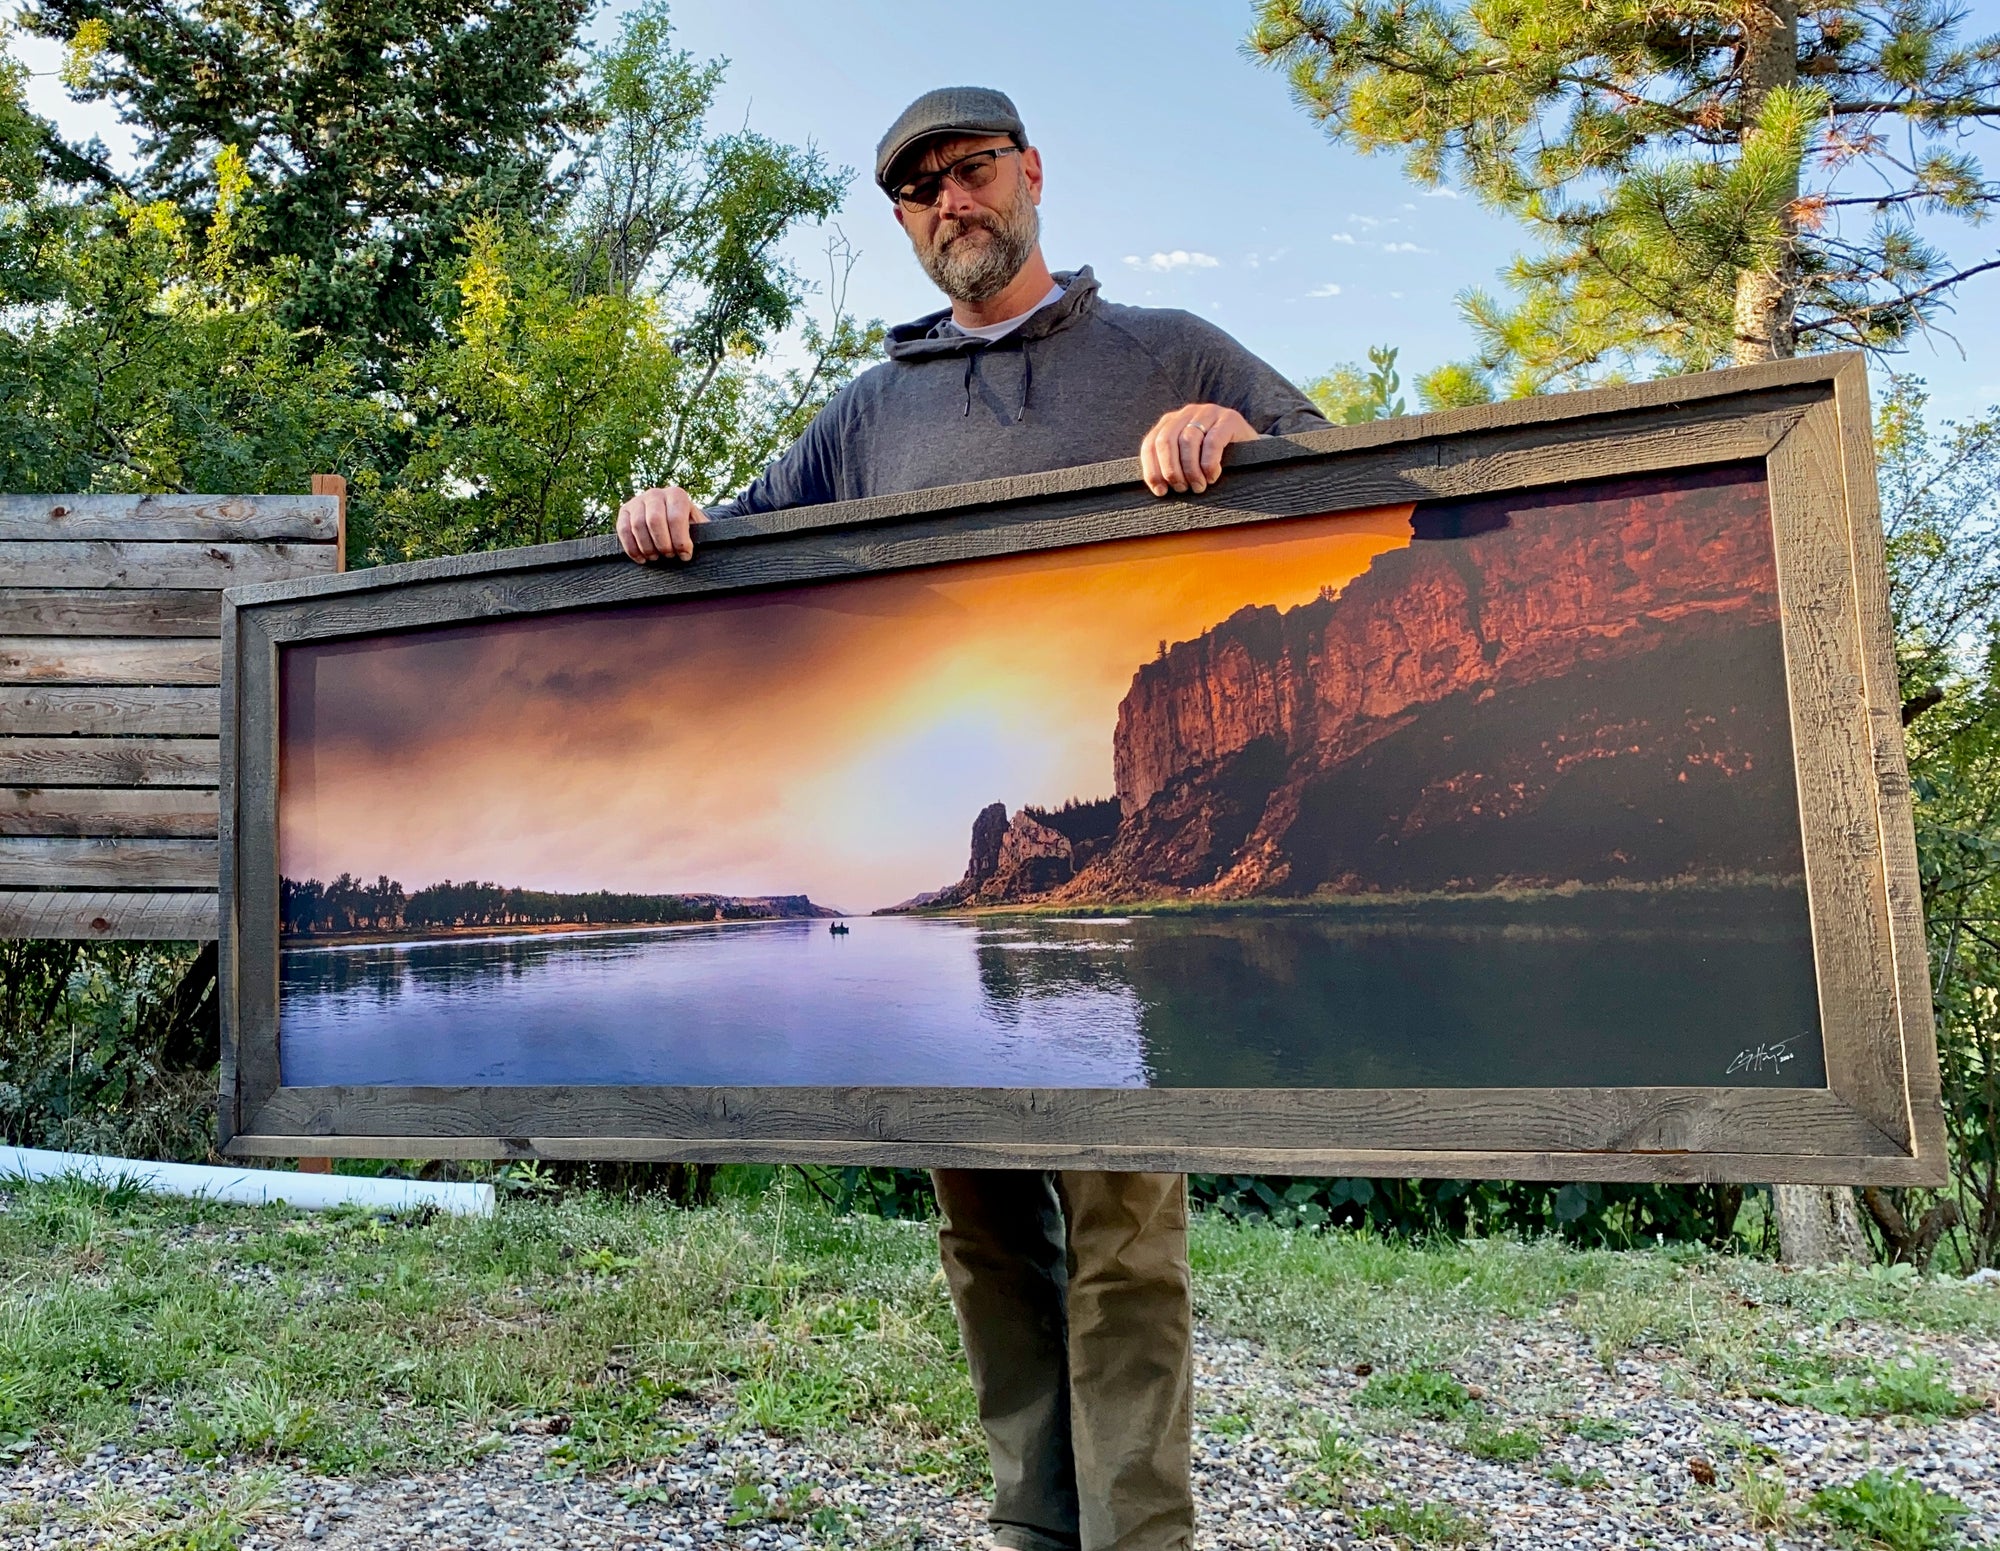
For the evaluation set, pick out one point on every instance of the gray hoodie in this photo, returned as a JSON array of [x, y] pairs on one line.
[[1080, 382]]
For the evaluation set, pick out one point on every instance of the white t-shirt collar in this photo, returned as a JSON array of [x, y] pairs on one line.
[[992, 331]]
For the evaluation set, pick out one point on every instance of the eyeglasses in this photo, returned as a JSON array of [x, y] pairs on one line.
[[968, 172]]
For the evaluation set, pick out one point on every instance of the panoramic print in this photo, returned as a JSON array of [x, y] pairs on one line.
[[1498, 792]]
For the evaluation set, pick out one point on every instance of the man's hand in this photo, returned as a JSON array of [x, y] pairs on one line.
[[656, 523], [1183, 451]]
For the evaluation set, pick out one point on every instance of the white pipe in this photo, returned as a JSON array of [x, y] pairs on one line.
[[248, 1187]]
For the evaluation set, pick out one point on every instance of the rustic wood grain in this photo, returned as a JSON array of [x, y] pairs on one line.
[[1374, 1163], [1834, 756], [49, 862], [250, 832], [165, 812], [110, 710], [109, 563], [48, 659], [228, 954], [108, 915], [1881, 689], [109, 762], [84, 611], [1580, 1120], [234, 519]]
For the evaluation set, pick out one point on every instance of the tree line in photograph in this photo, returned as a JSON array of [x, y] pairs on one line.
[[549, 277], [310, 908]]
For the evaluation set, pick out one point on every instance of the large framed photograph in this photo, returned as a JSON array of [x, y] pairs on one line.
[[1512, 791]]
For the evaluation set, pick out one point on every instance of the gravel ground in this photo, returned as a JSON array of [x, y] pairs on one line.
[[1639, 1455]]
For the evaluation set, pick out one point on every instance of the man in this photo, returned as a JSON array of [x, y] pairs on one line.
[[1072, 1289]]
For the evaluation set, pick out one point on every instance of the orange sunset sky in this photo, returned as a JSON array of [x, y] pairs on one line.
[[833, 740]]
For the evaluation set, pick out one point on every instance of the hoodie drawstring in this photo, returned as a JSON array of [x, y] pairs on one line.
[[1027, 378]]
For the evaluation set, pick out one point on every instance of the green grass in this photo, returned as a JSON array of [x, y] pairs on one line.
[[1419, 1524], [1349, 1298], [352, 1342], [1418, 1392], [1891, 1510], [1504, 1445], [1914, 1386]]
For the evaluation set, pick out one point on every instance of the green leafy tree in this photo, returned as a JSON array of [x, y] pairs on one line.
[[137, 353], [621, 342], [1941, 510], [371, 134], [1709, 183], [1353, 394]]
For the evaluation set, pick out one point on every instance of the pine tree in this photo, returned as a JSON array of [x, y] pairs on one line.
[[1710, 182]]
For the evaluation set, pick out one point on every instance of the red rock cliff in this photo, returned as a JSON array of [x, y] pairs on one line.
[[1553, 584]]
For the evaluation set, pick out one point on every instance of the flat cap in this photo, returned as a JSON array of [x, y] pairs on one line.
[[950, 110]]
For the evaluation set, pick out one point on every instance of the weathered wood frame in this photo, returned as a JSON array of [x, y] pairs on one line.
[[1878, 1121]]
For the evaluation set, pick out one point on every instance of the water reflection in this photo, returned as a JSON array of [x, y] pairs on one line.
[[1600, 990]]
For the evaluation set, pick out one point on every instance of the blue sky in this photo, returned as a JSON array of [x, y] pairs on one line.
[[1176, 168]]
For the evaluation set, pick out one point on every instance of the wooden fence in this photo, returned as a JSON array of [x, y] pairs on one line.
[[110, 661]]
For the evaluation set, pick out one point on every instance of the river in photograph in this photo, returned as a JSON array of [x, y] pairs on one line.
[[1610, 989]]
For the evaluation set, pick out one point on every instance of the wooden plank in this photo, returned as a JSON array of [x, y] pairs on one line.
[[110, 710], [237, 519], [187, 812], [49, 659], [108, 563], [229, 1002], [335, 487], [82, 611], [250, 859], [66, 862], [1802, 1121], [107, 916], [1374, 1163], [1883, 693], [108, 762], [1832, 749]]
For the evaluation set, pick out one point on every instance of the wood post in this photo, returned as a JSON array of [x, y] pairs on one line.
[[335, 485]]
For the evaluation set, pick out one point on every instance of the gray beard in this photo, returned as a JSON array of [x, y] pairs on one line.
[[969, 271]]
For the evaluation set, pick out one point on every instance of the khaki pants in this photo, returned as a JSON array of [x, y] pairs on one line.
[[1081, 1349]]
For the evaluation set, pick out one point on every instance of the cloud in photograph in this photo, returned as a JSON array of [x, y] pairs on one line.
[[1179, 258], [1329, 289], [1346, 239], [1403, 247], [1442, 191]]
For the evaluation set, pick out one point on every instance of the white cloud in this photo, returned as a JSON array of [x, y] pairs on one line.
[[1363, 220], [1324, 290], [1259, 260], [1441, 192], [1403, 247], [1180, 258], [1346, 237]]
